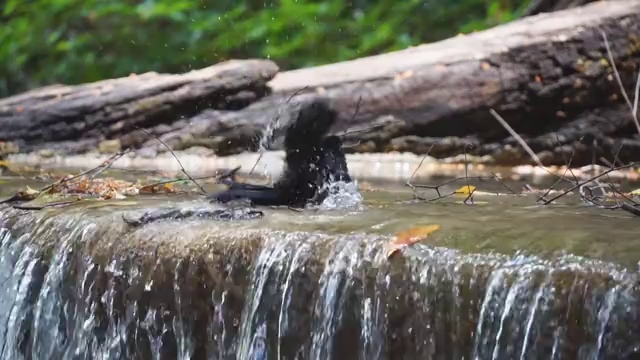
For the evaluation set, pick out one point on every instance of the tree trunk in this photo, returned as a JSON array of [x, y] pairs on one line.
[[548, 75], [78, 118]]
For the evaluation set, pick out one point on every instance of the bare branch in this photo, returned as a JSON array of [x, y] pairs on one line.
[[43, 206], [106, 164], [174, 156], [588, 181], [632, 107], [517, 137]]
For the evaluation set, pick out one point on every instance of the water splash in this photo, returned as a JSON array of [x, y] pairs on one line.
[[341, 195]]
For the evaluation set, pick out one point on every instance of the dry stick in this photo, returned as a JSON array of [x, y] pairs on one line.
[[106, 163], [521, 141], [174, 156], [636, 98], [409, 184], [517, 137], [437, 187], [224, 174], [498, 179], [615, 161], [568, 163], [542, 198], [567, 168], [632, 107], [40, 207], [355, 113], [590, 180]]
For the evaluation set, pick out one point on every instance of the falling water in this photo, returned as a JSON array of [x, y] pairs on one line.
[[82, 285]]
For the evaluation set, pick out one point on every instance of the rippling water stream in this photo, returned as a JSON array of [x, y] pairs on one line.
[[502, 279]]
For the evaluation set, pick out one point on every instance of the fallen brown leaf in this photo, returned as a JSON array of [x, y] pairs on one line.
[[409, 237]]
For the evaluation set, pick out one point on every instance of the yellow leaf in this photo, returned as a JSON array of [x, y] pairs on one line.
[[466, 190], [410, 237], [635, 192]]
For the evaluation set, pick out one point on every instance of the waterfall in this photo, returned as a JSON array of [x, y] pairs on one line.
[[83, 285]]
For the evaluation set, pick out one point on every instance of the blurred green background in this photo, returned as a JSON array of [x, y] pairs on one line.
[[75, 41]]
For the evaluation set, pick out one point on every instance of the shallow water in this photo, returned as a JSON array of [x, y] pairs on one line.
[[503, 278], [504, 223]]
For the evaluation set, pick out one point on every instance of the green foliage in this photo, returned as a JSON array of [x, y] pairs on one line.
[[75, 41]]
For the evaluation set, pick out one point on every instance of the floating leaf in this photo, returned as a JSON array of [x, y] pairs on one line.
[[635, 192], [466, 190], [410, 237]]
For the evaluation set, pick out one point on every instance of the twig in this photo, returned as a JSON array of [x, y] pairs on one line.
[[636, 98], [408, 183], [224, 174], [526, 147], [174, 156], [517, 137], [372, 127], [466, 178], [495, 176], [588, 181], [256, 163], [470, 196], [632, 107], [106, 163], [40, 207], [567, 168]]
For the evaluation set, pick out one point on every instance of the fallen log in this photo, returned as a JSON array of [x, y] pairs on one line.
[[540, 6], [78, 118], [548, 75]]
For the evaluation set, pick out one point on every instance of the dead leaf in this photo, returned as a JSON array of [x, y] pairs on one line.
[[635, 192], [409, 237], [538, 79], [485, 65], [466, 190]]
